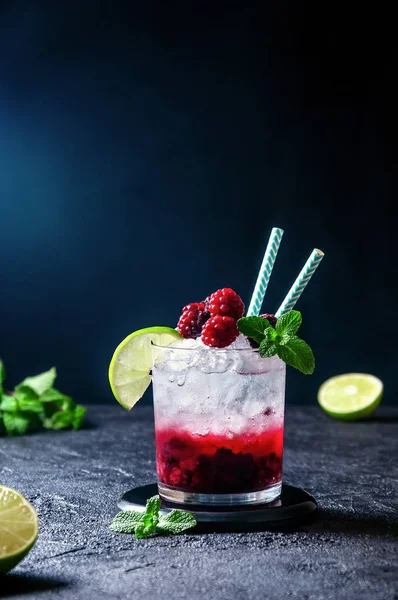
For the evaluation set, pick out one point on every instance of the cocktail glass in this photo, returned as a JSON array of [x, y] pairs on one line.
[[219, 420]]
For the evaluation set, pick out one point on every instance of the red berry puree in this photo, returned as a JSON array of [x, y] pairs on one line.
[[217, 464]]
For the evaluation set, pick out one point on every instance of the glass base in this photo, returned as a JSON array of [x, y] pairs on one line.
[[176, 496]]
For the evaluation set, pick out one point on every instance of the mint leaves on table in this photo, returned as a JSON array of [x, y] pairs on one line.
[[145, 523], [2, 376], [35, 404], [282, 340]]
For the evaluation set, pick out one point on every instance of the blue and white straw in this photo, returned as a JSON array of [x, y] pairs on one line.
[[265, 272], [298, 286]]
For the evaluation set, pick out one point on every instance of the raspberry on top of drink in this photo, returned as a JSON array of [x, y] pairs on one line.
[[214, 319]]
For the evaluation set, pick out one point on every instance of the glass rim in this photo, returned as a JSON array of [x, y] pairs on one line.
[[206, 349]]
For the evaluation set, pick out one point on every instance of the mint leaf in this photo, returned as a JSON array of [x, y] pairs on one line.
[[267, 349], [143, 531], [39, 383], [55, 402], [141, 524], [16, 423], [24, 392], [126, 521], [9, 403], [28, 400], [288, 324], [59, 420], [270, 335], [253, 327], [2, 376], [32, 405], [53, 395], [151, 516], [298, 354], [152, 505], [78, 416], [175, 522]]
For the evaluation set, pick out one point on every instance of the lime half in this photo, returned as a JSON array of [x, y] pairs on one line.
[[351, 396], [131, 364], [19, 527]]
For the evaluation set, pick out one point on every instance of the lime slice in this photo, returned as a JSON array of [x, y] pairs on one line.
[[351, 396], [129, 371], [19, 528]]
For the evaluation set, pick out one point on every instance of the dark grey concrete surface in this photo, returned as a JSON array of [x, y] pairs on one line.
[[74, 479]]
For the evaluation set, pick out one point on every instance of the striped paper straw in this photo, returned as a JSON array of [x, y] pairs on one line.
[[298, 286], [265, 272]]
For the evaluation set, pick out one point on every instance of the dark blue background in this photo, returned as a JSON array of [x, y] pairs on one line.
[[147, 149]]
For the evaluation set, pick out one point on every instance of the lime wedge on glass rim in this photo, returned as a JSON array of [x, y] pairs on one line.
[[19, 527], [351, 396], [131, 364]]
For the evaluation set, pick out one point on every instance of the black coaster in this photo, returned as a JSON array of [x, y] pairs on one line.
[[292, 508]]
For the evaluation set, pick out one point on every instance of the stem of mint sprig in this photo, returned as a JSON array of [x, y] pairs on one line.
[[282, 340]]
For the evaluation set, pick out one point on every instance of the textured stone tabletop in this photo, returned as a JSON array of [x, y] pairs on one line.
[[350, 551]]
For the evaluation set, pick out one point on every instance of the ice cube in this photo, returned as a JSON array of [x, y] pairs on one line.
[[214, 361], [233, 393], [253, 409], [237, 424], [186, 343], [241, 342]]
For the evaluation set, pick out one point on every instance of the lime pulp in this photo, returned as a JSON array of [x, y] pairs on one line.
[[351, 396], [19, 528]]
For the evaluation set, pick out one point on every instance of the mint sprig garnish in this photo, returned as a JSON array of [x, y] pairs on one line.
[[282, 340], [144, 524], [254, 327], [298, 354], [35, 404], [288, 324]]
